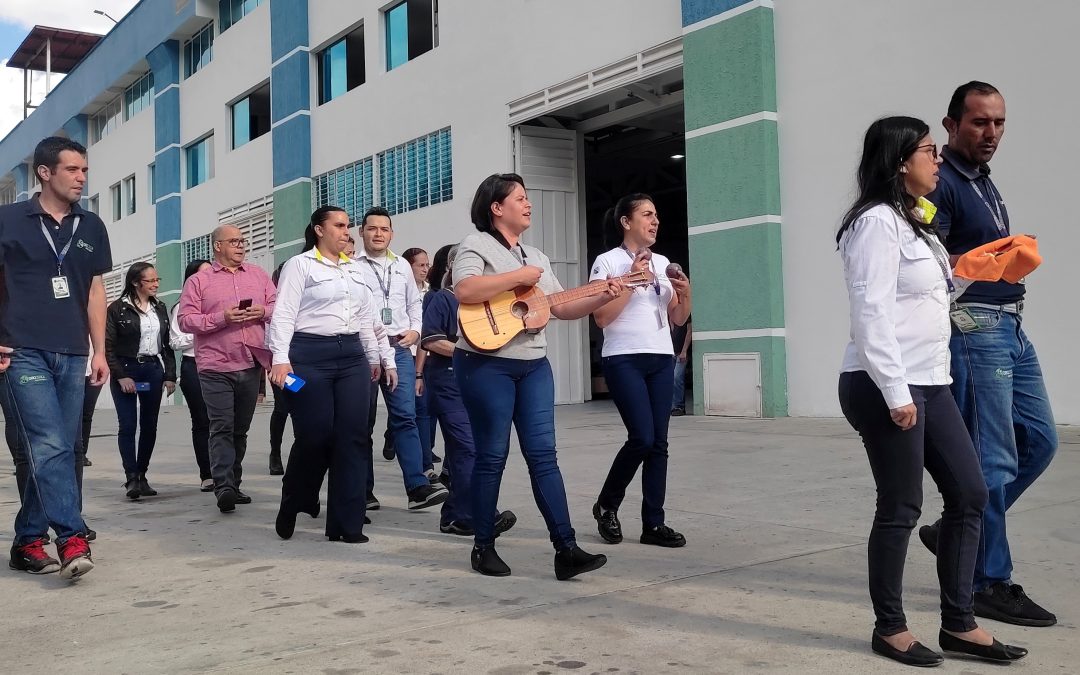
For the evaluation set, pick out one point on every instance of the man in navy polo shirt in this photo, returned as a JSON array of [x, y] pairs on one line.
[[997, 381], [52, 256]]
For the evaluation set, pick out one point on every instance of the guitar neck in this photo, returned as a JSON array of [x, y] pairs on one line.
[[590, 289]]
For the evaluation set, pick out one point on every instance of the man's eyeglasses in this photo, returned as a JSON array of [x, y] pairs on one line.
[[932, 147], [237, 243]]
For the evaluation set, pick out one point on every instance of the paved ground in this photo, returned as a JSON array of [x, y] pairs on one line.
[[773, 579]]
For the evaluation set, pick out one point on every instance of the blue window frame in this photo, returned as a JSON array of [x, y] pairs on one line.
[[231, 11], [139, 95], [251, 116], [341, 66], [199, 50], [199, 158], [412, 29], [417, 174]]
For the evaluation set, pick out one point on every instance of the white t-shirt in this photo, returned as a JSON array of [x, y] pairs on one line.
[[643, 326]]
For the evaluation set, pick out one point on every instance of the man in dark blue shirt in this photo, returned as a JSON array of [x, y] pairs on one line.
[[52, 256], [997, 381]]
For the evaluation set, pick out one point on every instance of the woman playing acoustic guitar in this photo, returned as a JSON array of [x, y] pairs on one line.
[[514, 384]]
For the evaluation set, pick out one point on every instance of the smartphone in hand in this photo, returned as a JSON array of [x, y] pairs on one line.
[[245, 304]]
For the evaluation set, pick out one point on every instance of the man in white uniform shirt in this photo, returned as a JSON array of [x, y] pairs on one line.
[[397, 309]]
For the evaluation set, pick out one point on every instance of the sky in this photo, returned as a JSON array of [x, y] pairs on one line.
[[17, 17]]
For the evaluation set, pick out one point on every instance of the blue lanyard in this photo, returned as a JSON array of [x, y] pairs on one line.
[[384, 287], [996, 214], [67, 247]]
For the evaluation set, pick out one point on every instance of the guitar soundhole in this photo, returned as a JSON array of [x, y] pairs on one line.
[[519, 309]]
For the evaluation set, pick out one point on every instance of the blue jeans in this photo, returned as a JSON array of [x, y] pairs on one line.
[[678, 396], [444, 400], [496, 393], [998, 385], [401, 407], [641, 386], [129, 416], [425, 428], [45, 394]]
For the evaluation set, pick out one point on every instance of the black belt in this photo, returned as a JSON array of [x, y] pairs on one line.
[[146, 358]]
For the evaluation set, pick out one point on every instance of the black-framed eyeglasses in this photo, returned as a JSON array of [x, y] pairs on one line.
[[235, 242], [932, 147]]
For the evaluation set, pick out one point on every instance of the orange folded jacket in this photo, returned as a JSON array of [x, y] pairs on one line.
[[1010, 259]]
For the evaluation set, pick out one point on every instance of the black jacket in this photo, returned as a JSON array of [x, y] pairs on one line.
[[122, 334]]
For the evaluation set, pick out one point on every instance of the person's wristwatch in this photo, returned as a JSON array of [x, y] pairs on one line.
[[419, 376]]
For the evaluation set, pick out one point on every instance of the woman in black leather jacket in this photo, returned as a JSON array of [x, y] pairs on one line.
[[141, 362]]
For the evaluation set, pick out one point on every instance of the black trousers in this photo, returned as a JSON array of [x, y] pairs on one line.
[[278, 418], [329, 429], [230, 404], [200, 422], [939, 442]]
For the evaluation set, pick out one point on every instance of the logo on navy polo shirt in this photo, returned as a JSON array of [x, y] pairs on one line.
[[82, 244]]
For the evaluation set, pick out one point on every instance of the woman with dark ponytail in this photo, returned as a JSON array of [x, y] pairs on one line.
[[639, 365], [322, 333], [894, 390], [141, 362]]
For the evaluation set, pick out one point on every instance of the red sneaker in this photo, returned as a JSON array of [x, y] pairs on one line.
[[32, 558], [74, 557]]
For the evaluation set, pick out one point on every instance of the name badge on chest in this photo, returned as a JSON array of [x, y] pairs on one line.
[[387, 316], [60, 289]]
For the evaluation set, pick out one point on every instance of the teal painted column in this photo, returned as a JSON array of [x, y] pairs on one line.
[[165, 63], [290, 126], [733, 190]]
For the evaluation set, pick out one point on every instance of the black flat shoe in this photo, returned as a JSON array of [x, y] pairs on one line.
[[454, 527], [226, 500], [997, 652], [487, 562], [505, 521], [132, 488], [242, 497], [607, 524], [916, 655], [349, 538], [276, 468], [285, 523], [144, 487], [571, 562]]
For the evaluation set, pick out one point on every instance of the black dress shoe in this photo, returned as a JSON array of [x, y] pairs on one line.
[[487, 562], [226, 500], [86, 462], [571, 562], [504, 522], [144, 487], [242, 497], [663, 536], [607, 524], [285, 522], [388, 452], [928, 535], [276, 469], [916, 654], [996, 652], [348, 538]]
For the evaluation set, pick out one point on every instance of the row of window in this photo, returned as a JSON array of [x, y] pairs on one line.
[[231, 11], [410, 176], [136, 97]]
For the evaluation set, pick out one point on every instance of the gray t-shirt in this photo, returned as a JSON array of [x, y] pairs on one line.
[[482, 253]]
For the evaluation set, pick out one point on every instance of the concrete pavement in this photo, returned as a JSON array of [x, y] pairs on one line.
[[773, 579]]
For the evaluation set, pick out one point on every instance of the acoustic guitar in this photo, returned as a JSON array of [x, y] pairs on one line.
[[488, 326]]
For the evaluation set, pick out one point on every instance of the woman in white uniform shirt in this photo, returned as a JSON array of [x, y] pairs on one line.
[[639, 364], [894, 390], [322, 331]]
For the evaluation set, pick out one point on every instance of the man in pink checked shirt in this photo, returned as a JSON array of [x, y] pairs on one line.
[[227, 308]]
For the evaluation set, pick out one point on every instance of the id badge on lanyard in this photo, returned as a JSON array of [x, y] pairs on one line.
[[60, 287], [387, 314]]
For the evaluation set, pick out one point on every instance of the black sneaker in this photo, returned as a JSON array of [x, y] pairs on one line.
[[31, 557], [607, 524], [1009, 603], [372, 502], [426, 496], [454, 527], [504, 522], [928, 535], [388, 452], [663, 536], [226, 500], [678, 412], [242, 497]]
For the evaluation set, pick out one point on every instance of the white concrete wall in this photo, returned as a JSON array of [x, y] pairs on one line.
[[843, 63], [490, 52], [127, 150], [241, 63]]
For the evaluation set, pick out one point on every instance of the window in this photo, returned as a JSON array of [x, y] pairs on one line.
[[117, 205], [341, 66], [151, 180], [350, 187], [129, 195], [416, 174], [139, 96], [7, 195], [251, 116], [231, 11], [107, 120], [93, 204], [200, 167], [412, 29], [199, 50], [198, 248]]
